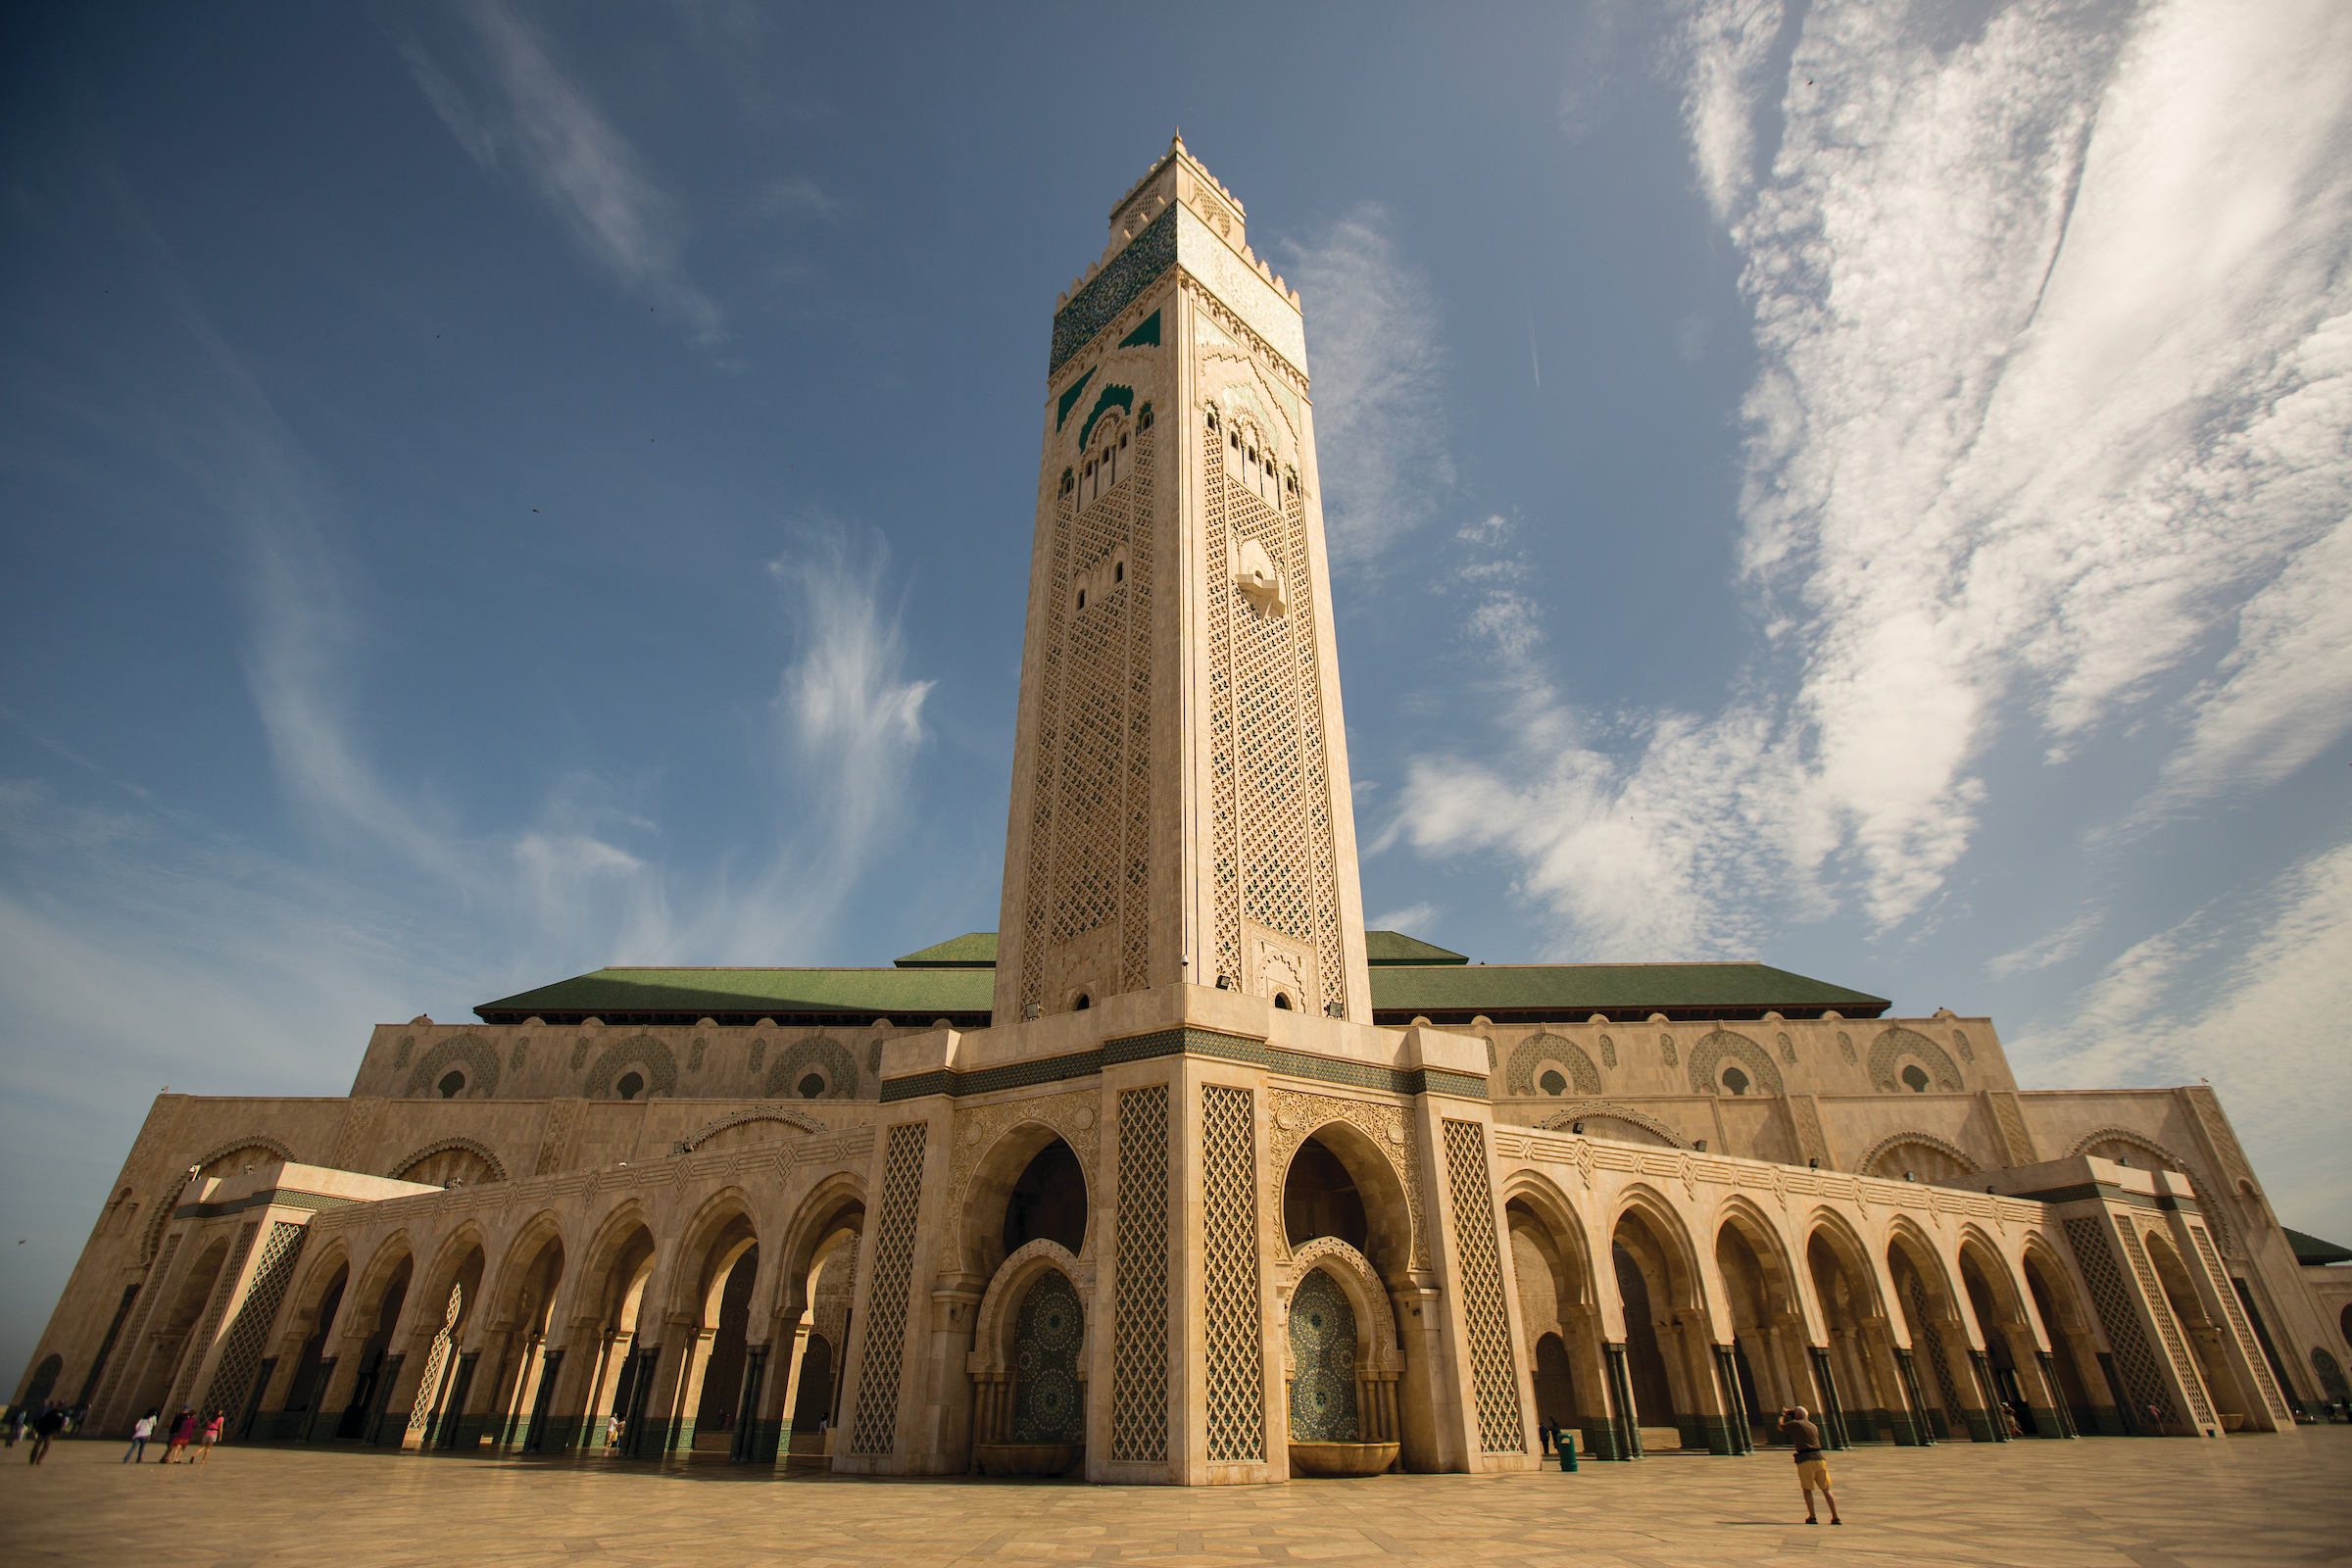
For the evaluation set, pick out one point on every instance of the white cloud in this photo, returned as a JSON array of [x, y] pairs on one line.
[[2049, 438], [793, 197], [1410, 920], [2246, 991], [532, 114], [1380, 425]]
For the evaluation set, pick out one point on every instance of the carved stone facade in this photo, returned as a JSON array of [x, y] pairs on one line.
[[1073, 1226]]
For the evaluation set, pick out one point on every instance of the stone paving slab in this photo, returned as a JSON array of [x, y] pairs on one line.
[[2105, 1503]]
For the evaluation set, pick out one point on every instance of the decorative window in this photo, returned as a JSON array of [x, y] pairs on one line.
[[631, 1085], [1081, 1002], [1552, 1083], [452, 1084], [812, 1086], [1735, 1080], [1282, 1000], [1915, 1078]]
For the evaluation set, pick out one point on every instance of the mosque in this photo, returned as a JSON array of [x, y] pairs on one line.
[[1181, 1176]]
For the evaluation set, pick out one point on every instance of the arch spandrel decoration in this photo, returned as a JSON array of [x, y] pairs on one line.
[[1893, 1045], [1540, 1047], [1074, 1117], [822, 1053], [642, 1050], [473, 1052], [444, 1146], [1942, 1146], [1570, 1115], [1710, 1051], [276, 1146], [2138, 1140], [799, 1120], [1296, 1116]]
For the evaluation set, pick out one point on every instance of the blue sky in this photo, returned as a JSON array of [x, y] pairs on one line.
[[491, 491]]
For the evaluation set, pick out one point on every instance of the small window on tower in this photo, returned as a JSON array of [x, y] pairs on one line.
[[1233, 439], [1118, 571], [1212, 418], [1282, 1000], [1251, 453], [1081, 598], [1122, 440], [1144, 420]]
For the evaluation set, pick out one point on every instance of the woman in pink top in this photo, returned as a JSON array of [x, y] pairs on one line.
[[210, 1436]]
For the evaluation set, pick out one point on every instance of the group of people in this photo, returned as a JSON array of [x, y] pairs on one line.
[[41, 1425], [188, 1429]]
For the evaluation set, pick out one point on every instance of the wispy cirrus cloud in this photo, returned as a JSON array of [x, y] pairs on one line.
[[527, 113], [1380, 422], [2229, 993], [2048, 439]]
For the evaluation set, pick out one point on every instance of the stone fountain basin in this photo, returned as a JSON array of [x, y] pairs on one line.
[[1342, 1458], [1027, 1458]]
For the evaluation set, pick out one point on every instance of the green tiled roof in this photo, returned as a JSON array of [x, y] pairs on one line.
[[956, 980], [1567, 992], [2312, 1253], [974, 949], [904, 995], [1385, 949]]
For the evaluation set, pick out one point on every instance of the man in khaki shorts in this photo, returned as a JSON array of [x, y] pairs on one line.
[[1812, 1466]]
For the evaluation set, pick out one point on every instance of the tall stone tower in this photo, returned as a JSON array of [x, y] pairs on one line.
[[1089, 1222], [1180, 796]]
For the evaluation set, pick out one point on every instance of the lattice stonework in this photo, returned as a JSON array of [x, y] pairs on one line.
[[233, 1381], [1138, 1344], [1275, 863], [2247, 1346], [133, 1341], [1494, 1370], [1237, 1374], [2161, 1310], [1952, 1404], [231, 1266], [2113, 1300], [877, 1427], [1090, 815]]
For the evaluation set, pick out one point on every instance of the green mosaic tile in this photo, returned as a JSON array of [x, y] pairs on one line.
[[1114, 289]]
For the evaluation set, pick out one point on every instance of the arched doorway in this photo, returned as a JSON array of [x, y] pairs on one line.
[[1665, 1365], [376, 1364], [312, 1365], [1862, 1388], [1557, 1304], [1938, 1342], [2233, 1404], [715, 1314], [444, 1388], [2026, 1405], [1768, 1327], [2072, 1362], [528, 1365], [172, 1332], [799, 1379]]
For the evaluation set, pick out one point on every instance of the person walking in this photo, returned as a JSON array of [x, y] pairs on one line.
[[210, 1435], [46, 1426], [1812, 1466], [613, 1436], [183, 1426], [140, 1431]]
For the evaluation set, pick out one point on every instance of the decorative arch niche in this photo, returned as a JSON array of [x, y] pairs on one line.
[[469, 1055], [653, 1061], [1340, 1359], [1712, 1052], [1540, 1056], [820, 1058], [1028, 1362], [451, 1163], [1889, 1051]]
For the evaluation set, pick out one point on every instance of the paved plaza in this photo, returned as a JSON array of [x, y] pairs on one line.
[[2087, 1504]]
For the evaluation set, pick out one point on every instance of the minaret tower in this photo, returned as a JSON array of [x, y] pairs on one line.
[[1086, 1223], [1180, 796]]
